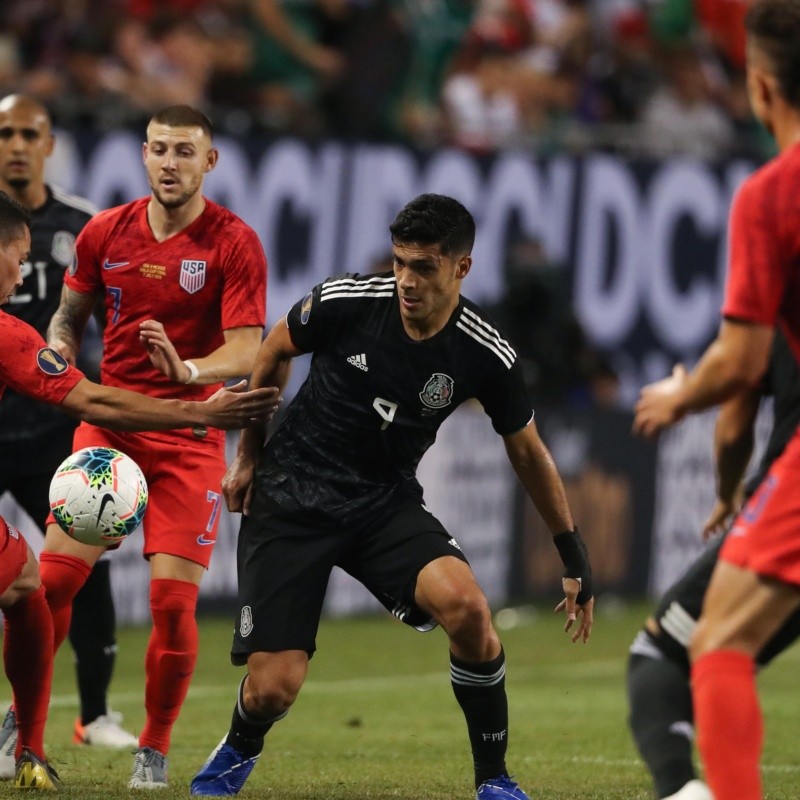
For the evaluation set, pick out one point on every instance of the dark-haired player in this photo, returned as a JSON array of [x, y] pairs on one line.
[[394, 355], [661, 717], [755, 586], [26, 141], [31, 368], [184, 285]]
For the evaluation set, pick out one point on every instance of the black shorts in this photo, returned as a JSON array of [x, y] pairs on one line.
[[284, 567], [679, 609], [27, 467]]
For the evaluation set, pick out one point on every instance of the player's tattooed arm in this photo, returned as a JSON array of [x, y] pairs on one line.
[[65, 331]]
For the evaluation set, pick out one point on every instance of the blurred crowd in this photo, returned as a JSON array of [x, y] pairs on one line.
[[643, 77]]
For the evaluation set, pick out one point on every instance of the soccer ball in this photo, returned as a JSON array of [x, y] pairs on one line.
[[98, 496]]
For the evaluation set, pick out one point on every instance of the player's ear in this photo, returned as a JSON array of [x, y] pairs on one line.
[[51, 142], [144, 152], [463, 267], [212, 157]]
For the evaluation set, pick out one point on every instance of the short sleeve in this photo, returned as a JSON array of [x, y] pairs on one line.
[[32, 368], [84, 274], [244, 296], [756, 270], [505, 399], [313, 320]]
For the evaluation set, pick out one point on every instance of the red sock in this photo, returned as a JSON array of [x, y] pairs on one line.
[[170, 659], [62, 576], [730, 730], [28, 661]]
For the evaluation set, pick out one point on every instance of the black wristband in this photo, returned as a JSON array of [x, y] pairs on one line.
[[575, 556]]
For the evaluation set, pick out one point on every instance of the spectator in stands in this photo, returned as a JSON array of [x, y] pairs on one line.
[[682, 117]]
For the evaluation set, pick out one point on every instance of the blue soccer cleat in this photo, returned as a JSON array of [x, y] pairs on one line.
[[223, 774], [502, 788]]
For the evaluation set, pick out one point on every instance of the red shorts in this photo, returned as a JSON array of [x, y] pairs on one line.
[[13, 554], [765, 537], [184, 482]]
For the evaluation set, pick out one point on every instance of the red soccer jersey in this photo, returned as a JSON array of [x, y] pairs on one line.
[[764, 265], [30, 367], [209, 277]]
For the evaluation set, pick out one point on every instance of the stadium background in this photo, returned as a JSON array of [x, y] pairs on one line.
[[618, 157]]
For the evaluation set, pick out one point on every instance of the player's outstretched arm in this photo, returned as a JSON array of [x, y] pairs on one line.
[[538, 475], [109, 407], [271, 368], [736, 360], [65, 331], [233, 359], [733, 446]]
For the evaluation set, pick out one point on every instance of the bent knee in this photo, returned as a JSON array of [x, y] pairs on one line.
[[273, 684], [466, 614]]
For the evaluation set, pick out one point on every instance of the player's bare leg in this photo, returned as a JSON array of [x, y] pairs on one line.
[[266, 694], [447, 590], [742, 611]]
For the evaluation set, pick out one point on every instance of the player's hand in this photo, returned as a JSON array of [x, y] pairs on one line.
[[237, 485], [582, 614], [161, 352], [659, 404], [65, 350], [235, 407], [719, 519]]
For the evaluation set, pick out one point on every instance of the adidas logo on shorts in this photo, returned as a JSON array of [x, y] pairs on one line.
[[359, 361]]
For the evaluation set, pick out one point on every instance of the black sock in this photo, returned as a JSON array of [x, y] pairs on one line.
[[247, 733], [481, 692], [661, 720], [92, 636]]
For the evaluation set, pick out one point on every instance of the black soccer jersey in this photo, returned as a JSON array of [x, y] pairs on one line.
[[374, 398], [54, 228]]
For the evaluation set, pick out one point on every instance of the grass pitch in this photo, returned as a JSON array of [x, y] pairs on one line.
[[377, 720]]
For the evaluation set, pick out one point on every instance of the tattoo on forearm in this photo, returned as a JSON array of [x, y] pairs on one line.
[[69, 321]]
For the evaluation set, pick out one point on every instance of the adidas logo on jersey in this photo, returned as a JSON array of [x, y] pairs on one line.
[[359, 361]]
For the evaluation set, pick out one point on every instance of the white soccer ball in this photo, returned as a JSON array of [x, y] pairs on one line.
[[98, 496]]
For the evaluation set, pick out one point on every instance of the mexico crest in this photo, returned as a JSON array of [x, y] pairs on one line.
[[438, 391], [63, 248], [193, 275]]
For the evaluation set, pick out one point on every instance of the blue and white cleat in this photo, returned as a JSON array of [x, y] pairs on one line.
[[224, 774], [502, 788]]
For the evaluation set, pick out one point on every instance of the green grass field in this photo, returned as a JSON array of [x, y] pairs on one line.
[[377, 719]]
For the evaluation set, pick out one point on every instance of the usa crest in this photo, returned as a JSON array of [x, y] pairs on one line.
[[438, 391], [193, 275]]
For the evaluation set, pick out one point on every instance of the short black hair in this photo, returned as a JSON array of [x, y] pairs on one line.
[[13, 219], [435, 219], [184, 117], [774, 26]]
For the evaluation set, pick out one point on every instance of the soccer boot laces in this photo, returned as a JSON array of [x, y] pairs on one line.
[[8, 746], [149, 770]]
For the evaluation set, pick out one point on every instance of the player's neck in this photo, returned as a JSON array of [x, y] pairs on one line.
[[786, 128], [165, 222], [427, 328], [32, 196]]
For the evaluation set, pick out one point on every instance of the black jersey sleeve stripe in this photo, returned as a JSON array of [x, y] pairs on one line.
[[355, 295], [74, 201], [480, 337], [490, 332]]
